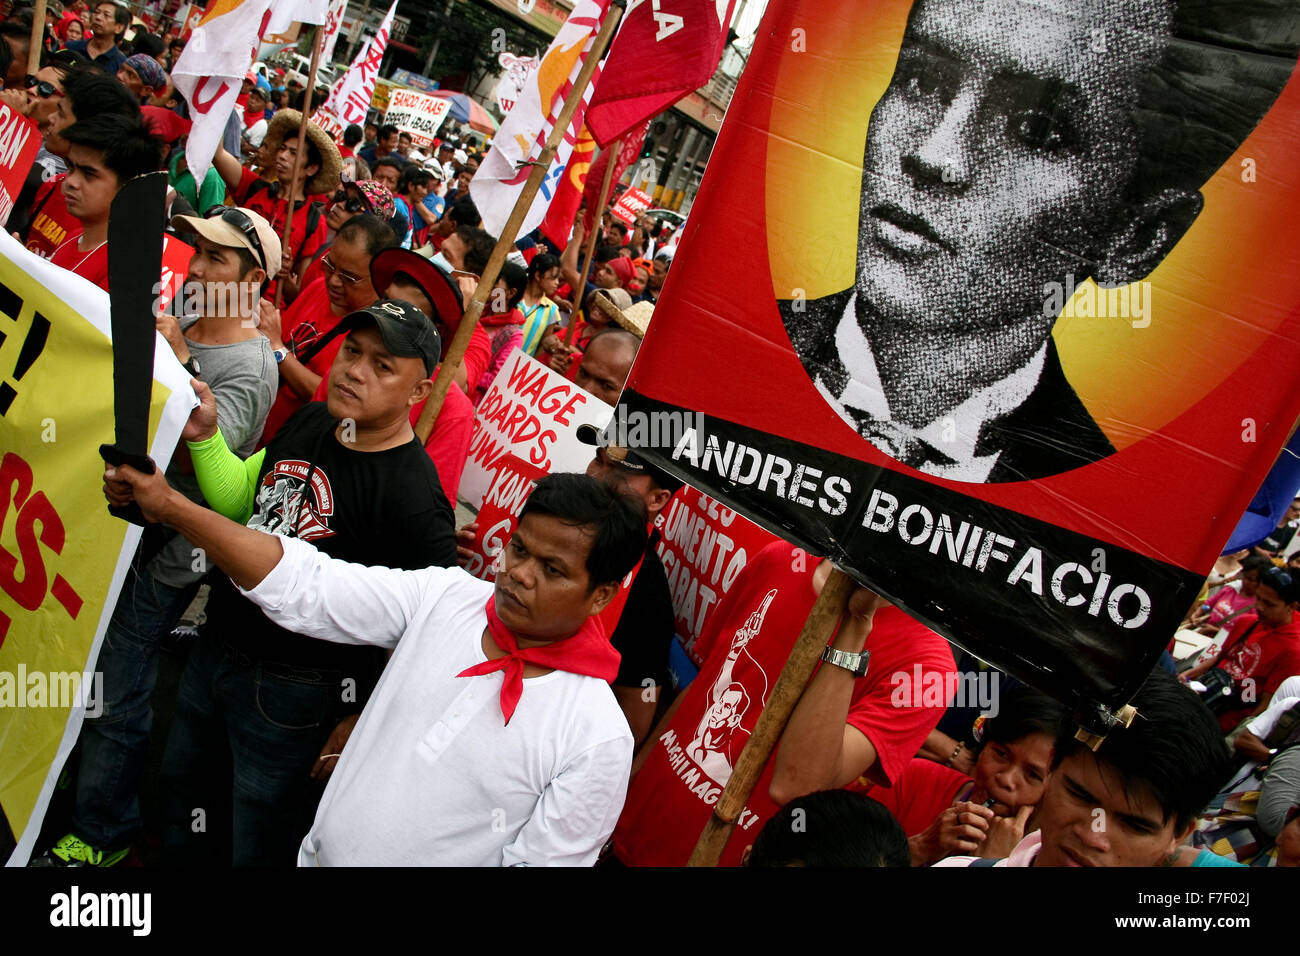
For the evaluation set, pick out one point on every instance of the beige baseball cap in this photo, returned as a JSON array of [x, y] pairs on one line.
[[234, 226]]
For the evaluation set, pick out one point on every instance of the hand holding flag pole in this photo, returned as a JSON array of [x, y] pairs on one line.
[[460, 341]]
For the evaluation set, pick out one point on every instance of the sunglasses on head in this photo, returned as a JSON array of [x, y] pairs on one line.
[[240, 221], [44, 88]]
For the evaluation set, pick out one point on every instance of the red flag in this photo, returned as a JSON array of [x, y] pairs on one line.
[[568, 195], [659, 55], [625, 158]]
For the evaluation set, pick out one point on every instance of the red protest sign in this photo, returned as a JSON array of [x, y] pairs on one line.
[[496, 521], [19, 143], [987, 367], [630, 205], [703, 546]]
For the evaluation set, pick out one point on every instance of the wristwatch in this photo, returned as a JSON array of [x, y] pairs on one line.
[[192, 366], [855, 664], [279, 355]]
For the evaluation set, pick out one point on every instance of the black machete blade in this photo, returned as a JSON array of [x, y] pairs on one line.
[[135, 241]]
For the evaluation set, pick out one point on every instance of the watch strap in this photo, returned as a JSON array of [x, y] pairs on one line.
[[855, 664]]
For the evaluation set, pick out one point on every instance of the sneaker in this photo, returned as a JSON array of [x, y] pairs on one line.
[[73, 851]]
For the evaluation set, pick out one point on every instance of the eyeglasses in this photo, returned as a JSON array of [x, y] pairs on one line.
[[350, 201], [236, 218], [331, 270], [44, 88]]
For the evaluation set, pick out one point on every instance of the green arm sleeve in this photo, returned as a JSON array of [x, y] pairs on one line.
[[227, 483]]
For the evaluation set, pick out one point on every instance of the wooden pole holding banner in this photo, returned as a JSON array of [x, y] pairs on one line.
[[816, 633], [38, 37], [300, 158], [469, 321], [615, 148]]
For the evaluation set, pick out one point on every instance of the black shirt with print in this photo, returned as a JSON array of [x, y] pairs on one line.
[[382, 508]]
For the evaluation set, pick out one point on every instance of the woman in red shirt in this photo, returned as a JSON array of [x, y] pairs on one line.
[[944, 812]]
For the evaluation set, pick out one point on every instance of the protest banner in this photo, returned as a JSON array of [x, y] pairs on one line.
[[630, 205], [524, 135], [350, 97], [1018, 369], [63, 558], [419, 114], [416, 81], [703, 546], [497, 518], [532, 413], [19, 143]]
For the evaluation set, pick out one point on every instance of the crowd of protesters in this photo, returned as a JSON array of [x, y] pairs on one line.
[[340, 703]]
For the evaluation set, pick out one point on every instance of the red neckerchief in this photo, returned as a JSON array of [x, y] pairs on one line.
[[251, 119], [587, 652]]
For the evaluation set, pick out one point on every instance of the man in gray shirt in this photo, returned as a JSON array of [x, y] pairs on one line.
[[237, 253]]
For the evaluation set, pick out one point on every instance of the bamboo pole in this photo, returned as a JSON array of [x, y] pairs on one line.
[[38, 37], [615, 148], [460, 341], [300, 158], [816, 633]]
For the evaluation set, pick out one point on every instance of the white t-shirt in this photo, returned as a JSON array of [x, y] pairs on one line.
[[256, 133], [432, 775], [1284, 698]]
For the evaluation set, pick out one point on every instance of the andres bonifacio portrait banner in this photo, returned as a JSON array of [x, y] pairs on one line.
[[994, 302]]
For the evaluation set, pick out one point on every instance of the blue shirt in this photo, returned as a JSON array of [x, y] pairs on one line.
[[109, 61], [435, 204]]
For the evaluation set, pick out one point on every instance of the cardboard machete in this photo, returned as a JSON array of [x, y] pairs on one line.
[[135, 241]]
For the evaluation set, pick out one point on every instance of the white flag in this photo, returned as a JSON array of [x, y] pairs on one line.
[[285, 13], [333, 20], [499, 181], [212, 68], [350, 98]]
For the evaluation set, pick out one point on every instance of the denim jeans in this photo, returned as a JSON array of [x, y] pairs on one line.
[[239, 756], [114, 745]]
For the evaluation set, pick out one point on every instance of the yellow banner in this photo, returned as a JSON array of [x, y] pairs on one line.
[[62, 556]]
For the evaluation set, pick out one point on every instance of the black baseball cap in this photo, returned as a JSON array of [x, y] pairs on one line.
[[628, 459], [406, 330]]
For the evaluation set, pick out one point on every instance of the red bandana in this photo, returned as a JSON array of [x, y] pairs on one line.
[[587, 652]]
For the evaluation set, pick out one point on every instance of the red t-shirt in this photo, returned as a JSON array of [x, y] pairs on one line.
[[91, 265], [745, 643], [176, 257], [478, 355], [273, 210], [922, 791], [52, 225], [301, 324], [448, 444], [1268, 656]]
